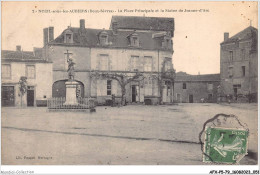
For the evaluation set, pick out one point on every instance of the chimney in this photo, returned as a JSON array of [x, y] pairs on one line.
[[45, 36], [82, 24], [18, 48], [226, 36], [51, 34], [115, 27]]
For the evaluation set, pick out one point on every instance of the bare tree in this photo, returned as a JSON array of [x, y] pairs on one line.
[[123, 78]]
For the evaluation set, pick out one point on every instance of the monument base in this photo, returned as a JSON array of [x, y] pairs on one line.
[[71, 93]]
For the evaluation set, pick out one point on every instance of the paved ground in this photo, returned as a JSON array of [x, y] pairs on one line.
[[130, 135]]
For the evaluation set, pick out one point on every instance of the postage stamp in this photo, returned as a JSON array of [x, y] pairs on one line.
[[225, 145]]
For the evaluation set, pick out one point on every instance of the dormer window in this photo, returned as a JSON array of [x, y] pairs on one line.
[[103, 38], [167, 43], [68, 36], [134, 40]]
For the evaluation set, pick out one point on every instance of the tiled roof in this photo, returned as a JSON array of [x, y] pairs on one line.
[[143, 23], [20, 56], [89, 38], [197, 78], [248, 33]]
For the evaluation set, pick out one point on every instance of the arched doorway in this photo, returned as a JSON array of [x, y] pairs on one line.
[[59, 88]]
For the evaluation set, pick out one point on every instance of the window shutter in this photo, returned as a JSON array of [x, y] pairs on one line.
[[104, 87], [99, 86], [98, 62]]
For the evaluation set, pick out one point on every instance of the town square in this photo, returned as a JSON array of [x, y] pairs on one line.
[[117, 136]]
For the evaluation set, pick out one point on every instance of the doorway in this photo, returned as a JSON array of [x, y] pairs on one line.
[[210, 98], [236, 88], [7, 95], [178, 98], [190, 98], [30, 96], [135, 93]]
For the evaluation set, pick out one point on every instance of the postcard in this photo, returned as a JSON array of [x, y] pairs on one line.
[[130, 83]]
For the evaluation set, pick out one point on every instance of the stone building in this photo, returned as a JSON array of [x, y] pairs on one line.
[[196, 88], [39, 78], [238, 64], [131, 45]]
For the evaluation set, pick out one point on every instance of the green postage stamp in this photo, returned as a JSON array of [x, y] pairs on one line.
[[225, 145]]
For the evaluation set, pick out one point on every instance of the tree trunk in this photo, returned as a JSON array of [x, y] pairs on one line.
[[161, 91], [123, 95]]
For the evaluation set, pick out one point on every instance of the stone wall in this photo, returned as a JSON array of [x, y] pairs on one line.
[[199, 90]]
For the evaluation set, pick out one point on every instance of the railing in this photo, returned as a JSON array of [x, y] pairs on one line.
[[58, 103]]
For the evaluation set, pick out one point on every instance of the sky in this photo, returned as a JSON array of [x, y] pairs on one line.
[[197, 35]]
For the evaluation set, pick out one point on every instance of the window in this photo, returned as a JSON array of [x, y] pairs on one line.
[[230, 56], [30, 71], [148, 63], [104, 62], [109, 85], [103, 40], [68, 38], [134, 40], [168, 64], [6, 71], [237, 86], [184, 86], [243, 54], [210, 86], [167, 43], [243, 71], [237, 89], [134, 63], [230, 71]]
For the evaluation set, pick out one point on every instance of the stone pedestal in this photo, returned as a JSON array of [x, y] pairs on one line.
[[71, 94]]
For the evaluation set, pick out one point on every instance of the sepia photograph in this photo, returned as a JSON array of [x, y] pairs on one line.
[[130, 83]]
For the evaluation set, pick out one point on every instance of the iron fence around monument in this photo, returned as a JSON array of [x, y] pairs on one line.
[[58, 103]]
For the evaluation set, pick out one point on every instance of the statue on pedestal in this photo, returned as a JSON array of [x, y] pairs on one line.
[[70, 70], [71, 64]]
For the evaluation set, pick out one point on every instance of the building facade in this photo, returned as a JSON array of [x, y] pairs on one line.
[[132, 45], [239, 64], [17, 64], [196, 88]]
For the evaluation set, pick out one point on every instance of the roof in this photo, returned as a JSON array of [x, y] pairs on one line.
[[143, 23], [89, 38], [197, 78], [20, 56], [246, 34]]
